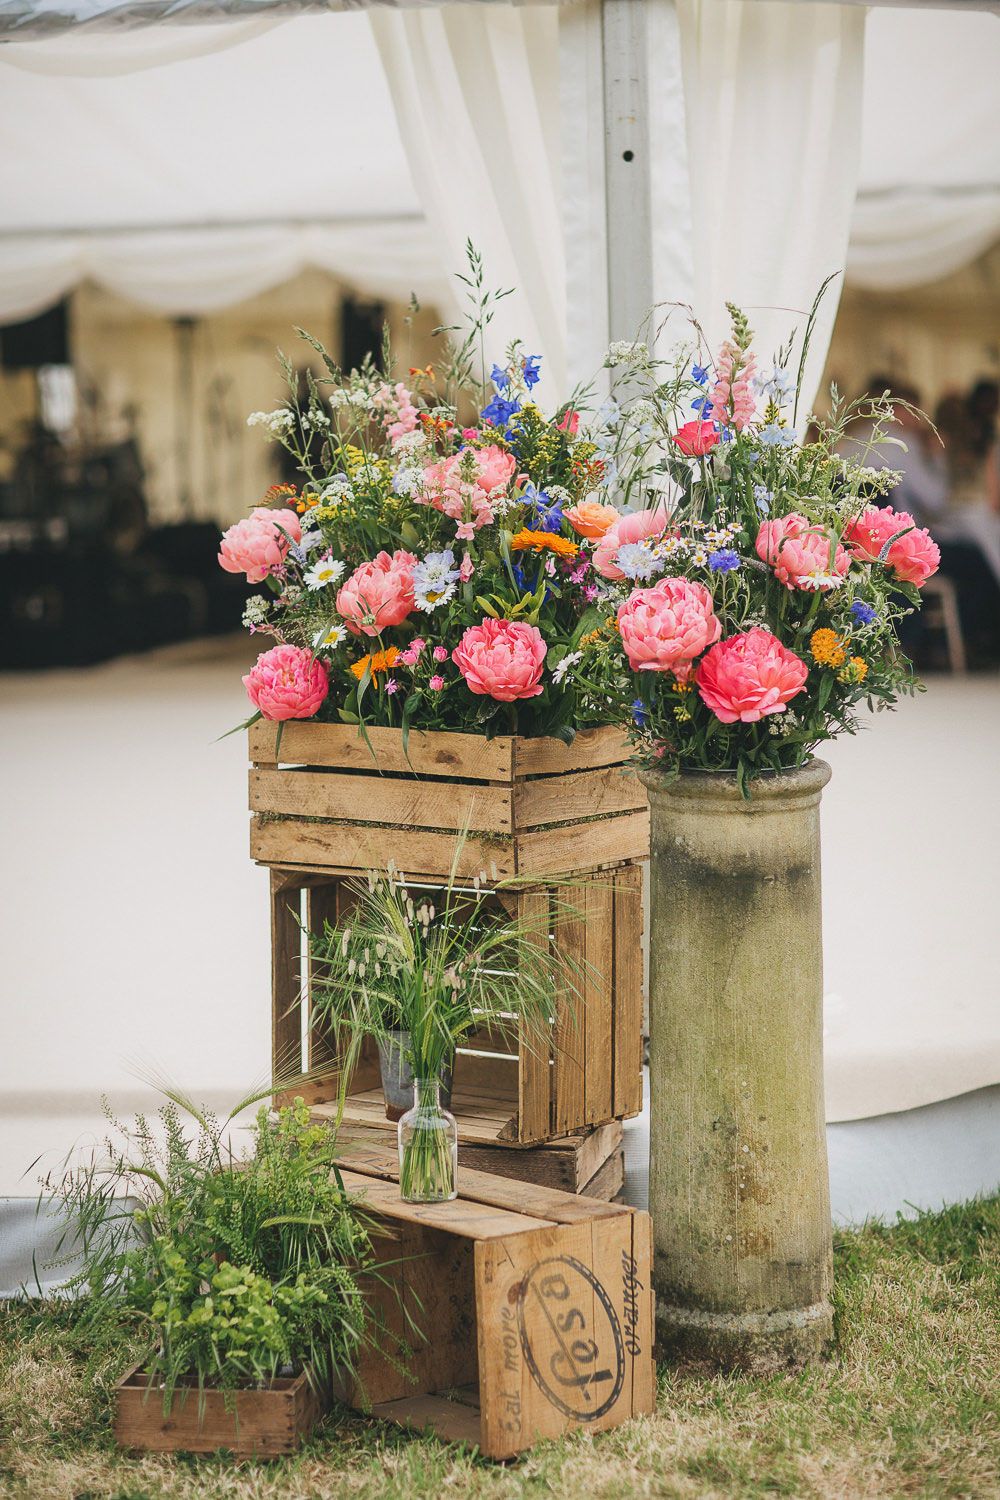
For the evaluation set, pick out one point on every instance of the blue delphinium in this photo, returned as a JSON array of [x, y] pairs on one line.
[[724, 561], [863, 613], [531, 372], [500, 411], [702, 405], [699, 374], [500, 378], [546, 513], [640, 714]]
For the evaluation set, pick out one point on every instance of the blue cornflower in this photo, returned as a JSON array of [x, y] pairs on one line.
[[699, 374], [500, 378], [640, 714], [703, 405], [724, 561], [499, 411], [773, 436], [531, 372], [863, 613]]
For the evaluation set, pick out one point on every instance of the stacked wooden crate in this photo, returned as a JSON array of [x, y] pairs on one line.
[[328, 804]]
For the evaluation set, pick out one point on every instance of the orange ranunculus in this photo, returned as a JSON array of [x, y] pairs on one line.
[[379, 661], [543, 541], [591, 518]]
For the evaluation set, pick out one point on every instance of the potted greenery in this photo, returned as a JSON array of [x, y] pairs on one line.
[[419, 973], [242, 1269]]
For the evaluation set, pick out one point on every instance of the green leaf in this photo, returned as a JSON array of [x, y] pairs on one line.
[[346, 717], [486, 607], [237, 727]]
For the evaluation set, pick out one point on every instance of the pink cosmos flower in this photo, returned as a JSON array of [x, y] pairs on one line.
[[664, 628], [441, 653], [633, 528], [696, 438], [469, 502], [802, 555], [501, 659], [747, 676], [378, 593], [436, 683], [256, 546], [913, 557], [287, 682]]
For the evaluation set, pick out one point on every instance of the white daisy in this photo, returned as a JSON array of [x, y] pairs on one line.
[[559, 671], [325, 571], [331, 636]]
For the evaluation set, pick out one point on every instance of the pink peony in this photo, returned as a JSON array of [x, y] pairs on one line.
[[632, 528], [255, 546], [378, 593], [501, 659], [913, 557], [748, 676], [802, 555], [696, 438], [469, 501], [664, 628], [287, 682]]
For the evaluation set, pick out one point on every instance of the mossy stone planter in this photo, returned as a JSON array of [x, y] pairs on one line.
[[738, 1188]]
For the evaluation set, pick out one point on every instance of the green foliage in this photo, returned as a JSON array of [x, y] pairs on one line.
[[233, 1266]]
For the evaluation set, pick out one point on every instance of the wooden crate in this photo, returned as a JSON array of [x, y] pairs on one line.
[[591, 1163], [532, 806], [251, 1423], [514, 1313], [509, 1087]]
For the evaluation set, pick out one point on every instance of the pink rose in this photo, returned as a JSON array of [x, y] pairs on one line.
[[440, 653], [592, 518], [255, 546], [802, 555], [501, 659], [632, 528], [748, 676], [913, 557], [378, 593], [569, 422], [436, 683], [287, 682], [469, 501], [664, 628], [696, 438]]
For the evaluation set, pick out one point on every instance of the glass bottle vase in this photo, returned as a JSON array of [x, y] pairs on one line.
[[428, 1147]]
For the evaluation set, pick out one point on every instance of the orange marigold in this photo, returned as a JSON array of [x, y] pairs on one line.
[[856, 670], [379, 661], [827, 648], [543, 541]]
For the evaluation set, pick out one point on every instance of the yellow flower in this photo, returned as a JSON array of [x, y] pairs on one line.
[[856, 670], [381, 661], [827, 648], [543, 541]]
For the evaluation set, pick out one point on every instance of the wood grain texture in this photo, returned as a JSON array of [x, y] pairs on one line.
[[534, 1085], [584, 846], [598, 999], [250, 1423], [569, 1097], [551, 757], [362, 846], [470, 756], [286, 984], [628, 968], [381, 799], [577, 797]]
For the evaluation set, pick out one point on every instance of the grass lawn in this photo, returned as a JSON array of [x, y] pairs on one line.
[[908, 1406]]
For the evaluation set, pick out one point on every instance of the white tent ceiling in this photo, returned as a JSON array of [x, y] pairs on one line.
[[193, 181]]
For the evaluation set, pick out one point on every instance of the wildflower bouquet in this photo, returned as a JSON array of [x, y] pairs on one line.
[[432, 569], [756, 607]]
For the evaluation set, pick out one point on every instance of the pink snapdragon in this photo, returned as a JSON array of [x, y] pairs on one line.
[[748, 676], [803, 555], [913, 557], [258, 545], [467, 485], [378, 594], [664, 628], [287, 682], [502, 659], [401, 415], [632, 528], [733, 401]]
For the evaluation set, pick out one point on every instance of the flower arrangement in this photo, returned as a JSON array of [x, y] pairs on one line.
[[727, 590]]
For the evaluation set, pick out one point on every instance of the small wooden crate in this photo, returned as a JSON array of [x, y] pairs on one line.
[[251, 1423], [514, 1313], [534, 808]]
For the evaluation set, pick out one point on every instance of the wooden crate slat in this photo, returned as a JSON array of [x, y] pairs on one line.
[[286, 982], [628, 990], [346, 846], [569, 1097], [608, 1181], [463, 1216], [468, 756], [598, 1004], [577, 797], [534, 1084], [321, 907], [451, 1420], [551, 757], [584, 846], [251, 1423], [381, 799]]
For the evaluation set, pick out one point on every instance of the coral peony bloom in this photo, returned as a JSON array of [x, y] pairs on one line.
[[592, 518], [696, 438], [632, 528], [469, 501], [664, 628], [287, 682], [378, 593], [501, 659], [748, 676], [913, 557], [802, 555], [256, 546]]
